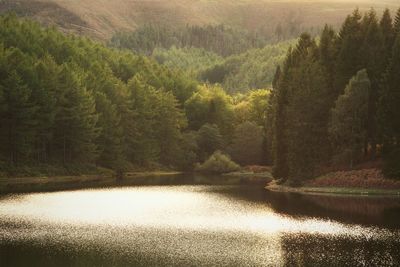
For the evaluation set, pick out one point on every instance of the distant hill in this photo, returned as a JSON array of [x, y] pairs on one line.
[[102, 18]]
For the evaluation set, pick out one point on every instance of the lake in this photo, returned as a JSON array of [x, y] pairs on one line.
[[195, 224]]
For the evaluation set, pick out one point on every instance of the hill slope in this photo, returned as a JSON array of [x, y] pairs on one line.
[[102, 18]]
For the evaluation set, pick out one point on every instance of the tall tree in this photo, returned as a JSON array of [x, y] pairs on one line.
[[348, 45], [348, 126], [396, 25], [17, 119], [373, 58], [386, 25], [76, 122], [389, 113]]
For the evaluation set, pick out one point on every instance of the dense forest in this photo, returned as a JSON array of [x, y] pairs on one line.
[[219, 39], [235, 58], [71, 105], [336, 101], [68, 104]]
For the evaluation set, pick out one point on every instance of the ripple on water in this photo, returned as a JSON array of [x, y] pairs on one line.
[[185, 225]]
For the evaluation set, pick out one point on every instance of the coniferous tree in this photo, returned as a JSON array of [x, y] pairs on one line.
[[348, 125], [327, 53], [396, 25], [76, 121], [386, 26], [373, 59], [17, 119], [349, 42], [389, 113], [110, 137], [45, 96]]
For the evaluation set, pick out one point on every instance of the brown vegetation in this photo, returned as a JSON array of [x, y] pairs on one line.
[[364, 178]]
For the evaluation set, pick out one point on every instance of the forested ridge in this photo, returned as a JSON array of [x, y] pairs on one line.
[[72, 105], [237, 59]]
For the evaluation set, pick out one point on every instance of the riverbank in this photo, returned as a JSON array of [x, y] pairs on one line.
[[55, 183], [355, 182]]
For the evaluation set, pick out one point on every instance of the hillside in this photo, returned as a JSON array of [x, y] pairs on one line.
[[102, 18]]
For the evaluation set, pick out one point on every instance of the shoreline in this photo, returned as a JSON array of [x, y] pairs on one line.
[[349, 191], [10, 185]]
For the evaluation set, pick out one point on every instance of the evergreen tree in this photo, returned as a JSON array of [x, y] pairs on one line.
[[348, 47], [17, 119], [170, 121], [373, 58], [45, 97], [327, 53], [110, 138], [386, 26], [76, 121], [389, 113], [348, 126], [396, 25]]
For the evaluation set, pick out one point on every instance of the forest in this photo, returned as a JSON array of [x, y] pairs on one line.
[[203, 98]]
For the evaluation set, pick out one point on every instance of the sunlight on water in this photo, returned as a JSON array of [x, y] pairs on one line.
[[172, 207], [175, 225]]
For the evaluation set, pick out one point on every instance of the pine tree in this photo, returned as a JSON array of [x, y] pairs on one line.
[[279, 134], [348, 126], [348, 45], [110, 138], [76, 121], [386, 26], [389, 113], [169, 122], [45, 97], [277, 76], [373, 58], [17, 119], [396, 25], [327, 53]]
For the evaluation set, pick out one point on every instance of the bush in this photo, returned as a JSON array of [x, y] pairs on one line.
[[218, 163]]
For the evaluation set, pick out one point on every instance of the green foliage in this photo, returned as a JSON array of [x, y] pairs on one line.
[[210, 104], [66, 100], [218, 39], [250, 70], [209, 140], [349, 118], [252, 106], [389, 113], [247, 144], [188, 153], [218, 163], [192, 60], [313, 80]]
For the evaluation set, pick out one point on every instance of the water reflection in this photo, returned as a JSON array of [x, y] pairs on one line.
[[193, 225]]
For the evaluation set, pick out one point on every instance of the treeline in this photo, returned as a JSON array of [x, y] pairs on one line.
[[71, 105], [252, 69], [220, 39], [337, 101], [191, 60]]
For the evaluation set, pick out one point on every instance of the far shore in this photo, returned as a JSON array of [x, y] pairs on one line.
[[332, 190], [54, 183], [72, 182]]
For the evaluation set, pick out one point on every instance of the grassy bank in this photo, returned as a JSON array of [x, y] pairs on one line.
[[355, 182]]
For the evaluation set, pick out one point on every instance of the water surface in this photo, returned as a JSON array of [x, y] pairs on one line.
[[192, 225]]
